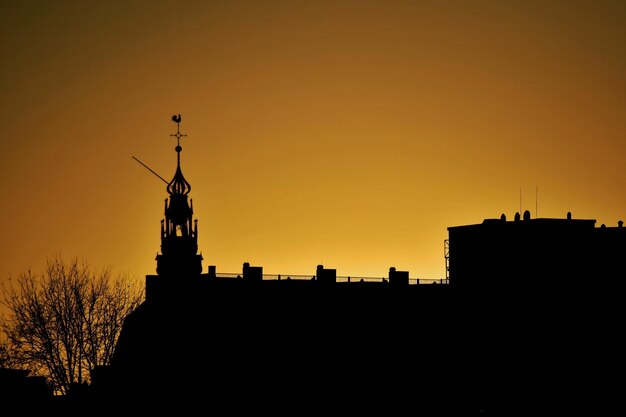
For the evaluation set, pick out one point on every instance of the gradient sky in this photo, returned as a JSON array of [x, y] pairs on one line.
[[348, 133]]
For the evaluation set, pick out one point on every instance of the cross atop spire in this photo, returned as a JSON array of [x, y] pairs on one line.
[[176, 119], [179, 184]]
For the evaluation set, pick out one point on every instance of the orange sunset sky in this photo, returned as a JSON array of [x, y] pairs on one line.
[[348, 133]]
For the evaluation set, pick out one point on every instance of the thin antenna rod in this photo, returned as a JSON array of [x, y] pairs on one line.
[[148, 168], [536, 201], [520, 201]]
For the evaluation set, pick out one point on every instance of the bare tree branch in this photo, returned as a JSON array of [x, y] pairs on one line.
[[65, 322]]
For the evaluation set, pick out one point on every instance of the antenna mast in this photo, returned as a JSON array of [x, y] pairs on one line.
[[536, 201]]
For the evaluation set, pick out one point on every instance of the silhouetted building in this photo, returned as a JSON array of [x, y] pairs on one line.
[[324, 343], [535, 253], [209, 337]]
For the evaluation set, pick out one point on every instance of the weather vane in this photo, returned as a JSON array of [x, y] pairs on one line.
[[176, 119]]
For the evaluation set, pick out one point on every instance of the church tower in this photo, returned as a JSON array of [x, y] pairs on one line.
[[179, 256]]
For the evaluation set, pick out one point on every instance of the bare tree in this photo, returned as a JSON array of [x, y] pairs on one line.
[[66, 321], [8, 357]]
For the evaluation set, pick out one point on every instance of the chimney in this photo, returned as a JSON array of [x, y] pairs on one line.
[[252, 273], [326, 276], [398, 278]]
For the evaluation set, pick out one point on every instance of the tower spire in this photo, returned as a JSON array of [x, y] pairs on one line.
[[179, 232]]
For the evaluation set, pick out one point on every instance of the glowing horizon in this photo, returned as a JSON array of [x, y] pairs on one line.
[[349, 135]]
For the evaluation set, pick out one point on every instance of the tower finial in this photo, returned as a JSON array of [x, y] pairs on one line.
[[176, 119], [179, 184]]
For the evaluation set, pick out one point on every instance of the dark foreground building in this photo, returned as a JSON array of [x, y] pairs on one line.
[[546, 300], [281, 345], [17, 386], [536, 253], [320, 344]]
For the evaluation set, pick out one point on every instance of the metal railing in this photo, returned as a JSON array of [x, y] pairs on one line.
[[350, 279]]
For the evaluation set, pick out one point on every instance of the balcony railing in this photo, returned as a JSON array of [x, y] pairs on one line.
[[279, 277]]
